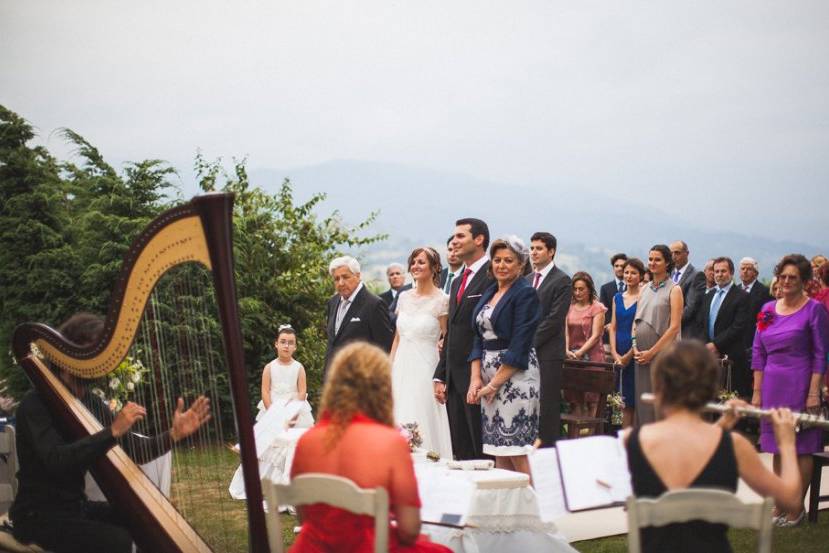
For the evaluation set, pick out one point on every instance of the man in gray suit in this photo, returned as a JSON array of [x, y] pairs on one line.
[[692, 283], [553, 288]]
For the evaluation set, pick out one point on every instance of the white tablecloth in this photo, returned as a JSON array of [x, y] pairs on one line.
[[501, 510]]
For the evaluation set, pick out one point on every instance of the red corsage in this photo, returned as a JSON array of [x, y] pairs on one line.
[[764, 320]]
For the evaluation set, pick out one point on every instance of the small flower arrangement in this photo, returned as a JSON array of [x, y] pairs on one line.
[[122, 382], [764, 320], [725, 395], [617, 406], [411, 432]]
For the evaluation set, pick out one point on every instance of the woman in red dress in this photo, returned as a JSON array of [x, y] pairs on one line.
[[356, 438]]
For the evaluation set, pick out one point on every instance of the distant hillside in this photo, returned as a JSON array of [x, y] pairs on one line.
[[419, 206]]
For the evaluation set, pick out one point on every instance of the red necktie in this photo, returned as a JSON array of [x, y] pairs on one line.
[[537, 280], [466, 274]]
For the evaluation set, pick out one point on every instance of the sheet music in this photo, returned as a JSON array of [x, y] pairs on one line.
[[547, 484], [445, 497], [594, 472]]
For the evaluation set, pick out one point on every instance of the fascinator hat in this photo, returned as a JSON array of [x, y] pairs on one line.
[[515, 244]]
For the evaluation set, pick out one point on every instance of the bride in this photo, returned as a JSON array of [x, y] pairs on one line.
[[421, 319]]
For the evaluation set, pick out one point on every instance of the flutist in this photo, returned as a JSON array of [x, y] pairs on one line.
[[684, 451]]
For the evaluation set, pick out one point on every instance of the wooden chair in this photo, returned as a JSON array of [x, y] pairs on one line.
[[332, 490], [579, 378], [821, 460], [716, 506]]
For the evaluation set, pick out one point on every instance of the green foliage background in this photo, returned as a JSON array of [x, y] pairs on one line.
[[65, 226]]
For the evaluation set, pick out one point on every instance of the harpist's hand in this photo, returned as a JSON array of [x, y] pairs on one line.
[[129, 415], [187, 422]]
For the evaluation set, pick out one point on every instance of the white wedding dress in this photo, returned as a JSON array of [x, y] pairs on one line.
[[414, 366]]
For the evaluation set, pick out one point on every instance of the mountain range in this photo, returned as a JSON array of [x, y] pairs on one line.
[[418, 206]]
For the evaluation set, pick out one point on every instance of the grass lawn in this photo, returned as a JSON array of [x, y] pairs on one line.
[[807, 538], [201, 478]]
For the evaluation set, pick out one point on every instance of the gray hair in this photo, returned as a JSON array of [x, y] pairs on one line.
[[396, 266], [344, 261], [751, 261], [516, 245]]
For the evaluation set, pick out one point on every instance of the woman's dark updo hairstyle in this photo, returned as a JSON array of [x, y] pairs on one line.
[[666, 254], [433, 258], [637, 264], [686, 374], [84, 329], [800, 263]]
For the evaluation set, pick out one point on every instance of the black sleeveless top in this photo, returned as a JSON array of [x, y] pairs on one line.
[[695, 536]]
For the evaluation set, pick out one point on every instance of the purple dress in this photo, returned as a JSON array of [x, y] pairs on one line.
[[788, 351]]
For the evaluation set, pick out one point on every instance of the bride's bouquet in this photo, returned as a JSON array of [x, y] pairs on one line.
[[411, 432]]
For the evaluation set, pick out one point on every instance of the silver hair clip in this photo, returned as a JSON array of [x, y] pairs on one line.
[[283, 327]]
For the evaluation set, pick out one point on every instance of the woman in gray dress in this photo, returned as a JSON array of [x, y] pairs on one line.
[[657, 323]]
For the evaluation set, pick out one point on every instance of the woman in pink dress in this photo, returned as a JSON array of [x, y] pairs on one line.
[[583, 339], [356, 438], [789, 361]]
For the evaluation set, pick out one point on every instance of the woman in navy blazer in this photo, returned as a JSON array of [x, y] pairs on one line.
[[503, 362]]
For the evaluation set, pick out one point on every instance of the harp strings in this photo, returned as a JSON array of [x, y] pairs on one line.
[[180, 347]]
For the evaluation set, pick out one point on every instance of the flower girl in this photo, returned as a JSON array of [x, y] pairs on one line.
[[284, 405]]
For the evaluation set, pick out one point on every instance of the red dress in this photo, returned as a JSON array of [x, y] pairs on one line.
[[370, 454]]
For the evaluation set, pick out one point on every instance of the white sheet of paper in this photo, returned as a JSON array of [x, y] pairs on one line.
[[594, 472], [446, 495], [547, 484]]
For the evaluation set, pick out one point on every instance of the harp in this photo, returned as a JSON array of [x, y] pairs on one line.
[[200, 233]]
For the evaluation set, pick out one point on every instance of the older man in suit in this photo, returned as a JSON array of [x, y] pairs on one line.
[[758, 295], [554, 294], [452, 374], [353, 312], [725, 312], [692, 283]]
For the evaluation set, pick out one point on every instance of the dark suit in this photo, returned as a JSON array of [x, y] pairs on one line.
[[757, 298], [606, 293], [391, 301], [389, 298], [729, 334], [367, 319], [554, 295], [692, 283], [444, 274], [453, 366]]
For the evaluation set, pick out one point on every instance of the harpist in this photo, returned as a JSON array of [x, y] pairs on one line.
[[51, 508]]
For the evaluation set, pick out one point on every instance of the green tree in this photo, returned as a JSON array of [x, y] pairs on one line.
[[282, 250], [38, 266]]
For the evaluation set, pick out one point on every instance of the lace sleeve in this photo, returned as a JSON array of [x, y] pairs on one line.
[[442, 305]]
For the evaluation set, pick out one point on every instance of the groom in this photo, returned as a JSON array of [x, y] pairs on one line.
[[451, 380]]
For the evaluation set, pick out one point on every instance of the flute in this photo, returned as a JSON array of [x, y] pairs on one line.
[[802, 419]]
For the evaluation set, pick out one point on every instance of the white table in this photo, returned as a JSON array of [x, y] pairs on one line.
[[499, 510]]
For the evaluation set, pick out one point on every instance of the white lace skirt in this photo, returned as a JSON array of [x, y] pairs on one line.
[[509, 423]]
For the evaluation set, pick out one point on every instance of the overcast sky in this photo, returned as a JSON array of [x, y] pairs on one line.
[[716, 112]]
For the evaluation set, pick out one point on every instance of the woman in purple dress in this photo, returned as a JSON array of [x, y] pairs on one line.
[[789, 360]]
